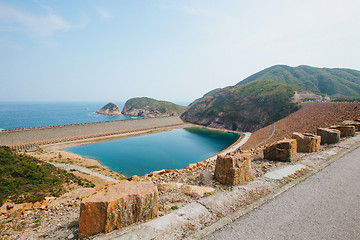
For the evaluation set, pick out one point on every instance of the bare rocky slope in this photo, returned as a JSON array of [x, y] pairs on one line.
[[310, 117]]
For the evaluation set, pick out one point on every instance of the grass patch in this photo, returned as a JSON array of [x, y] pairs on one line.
[[27, 179], [74, 224], [91, 167], [174, 207]]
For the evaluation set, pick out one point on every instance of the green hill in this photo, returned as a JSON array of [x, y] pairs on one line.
[[330, 81], [243, 107], [149, 107], [265, 97], [27, 179]]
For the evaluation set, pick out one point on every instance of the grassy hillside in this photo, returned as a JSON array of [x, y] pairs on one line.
[[244, 107], [27, 179], [318, 80], [152, 105]]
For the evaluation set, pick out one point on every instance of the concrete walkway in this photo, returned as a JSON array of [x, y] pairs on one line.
[[233, 148], [84, 170], [324, 206]]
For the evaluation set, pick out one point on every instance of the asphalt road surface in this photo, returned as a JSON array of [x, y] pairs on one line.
[[324, 206]]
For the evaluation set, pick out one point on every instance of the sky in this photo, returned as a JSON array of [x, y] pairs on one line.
[[170, 50]]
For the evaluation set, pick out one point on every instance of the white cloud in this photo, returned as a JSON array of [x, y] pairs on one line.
[[104, 14], [12, 19]]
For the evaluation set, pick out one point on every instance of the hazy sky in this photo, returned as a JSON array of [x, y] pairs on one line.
[[171, 50]]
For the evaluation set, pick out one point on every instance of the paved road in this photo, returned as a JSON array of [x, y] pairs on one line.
[[324, 206], [85, 170]]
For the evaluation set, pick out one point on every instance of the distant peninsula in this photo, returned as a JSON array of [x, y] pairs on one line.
[[149, 107], [109, 109]]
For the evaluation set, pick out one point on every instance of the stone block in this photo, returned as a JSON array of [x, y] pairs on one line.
[[307, 142], [283, 151], [345, 131], [118, 206], [169, 186], [356, 124], [234, 170], [328, 136], [196, 191]]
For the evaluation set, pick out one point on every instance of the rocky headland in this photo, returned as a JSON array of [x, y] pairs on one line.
[[110, 109], [148, 107]]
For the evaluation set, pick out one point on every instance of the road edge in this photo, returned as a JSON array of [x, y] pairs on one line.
[[237, 214]]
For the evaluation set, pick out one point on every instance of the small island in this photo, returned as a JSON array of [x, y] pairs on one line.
[[110, 109], [149, 107]]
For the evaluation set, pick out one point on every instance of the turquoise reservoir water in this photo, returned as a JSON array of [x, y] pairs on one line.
[[165, 150]]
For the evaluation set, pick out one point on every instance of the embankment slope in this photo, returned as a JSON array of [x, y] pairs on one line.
[[310, 117]]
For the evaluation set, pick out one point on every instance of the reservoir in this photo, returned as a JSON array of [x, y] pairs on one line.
[[173, 149]]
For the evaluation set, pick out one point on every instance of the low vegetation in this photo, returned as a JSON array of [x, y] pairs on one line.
[[244, 107], [346, 99], [27, 179], [151, 104], [330, 81]]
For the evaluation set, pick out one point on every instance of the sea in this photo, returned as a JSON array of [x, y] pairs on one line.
[[38, 114]]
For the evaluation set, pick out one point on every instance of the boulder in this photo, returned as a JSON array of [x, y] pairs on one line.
[[345, 131], [206, 176], [283, 151], [4, 209], [27, 206], [356, 124], [118, 206], [328, 136], [133, 178], [233, 170], [169, 186], [37, 206], [196, 191], [307, 142]]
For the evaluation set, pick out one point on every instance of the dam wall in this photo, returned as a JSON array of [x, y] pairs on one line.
[[53, 134]]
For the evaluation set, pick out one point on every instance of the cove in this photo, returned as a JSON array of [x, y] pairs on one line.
[[173, 149]]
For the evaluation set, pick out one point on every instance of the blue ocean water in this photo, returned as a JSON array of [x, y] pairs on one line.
[[166, 150], [25, 115]]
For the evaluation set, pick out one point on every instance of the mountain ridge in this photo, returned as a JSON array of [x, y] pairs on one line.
[[328, 81]]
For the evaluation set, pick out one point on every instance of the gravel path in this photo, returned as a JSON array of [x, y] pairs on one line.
[[324, 206], [85, 170]]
